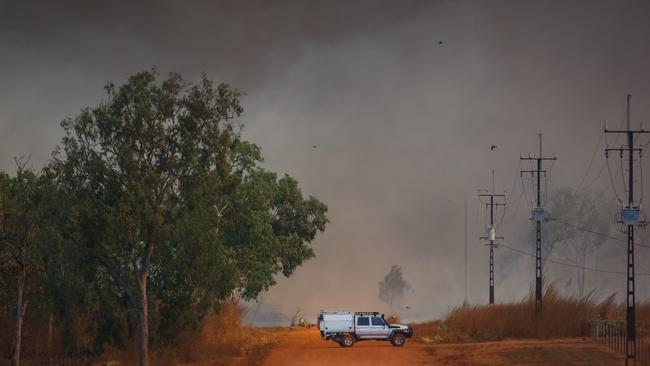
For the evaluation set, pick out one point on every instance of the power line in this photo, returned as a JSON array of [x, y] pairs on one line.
[[593, 157], [600, 172], [596, 232], [611, 180], [569, 264]]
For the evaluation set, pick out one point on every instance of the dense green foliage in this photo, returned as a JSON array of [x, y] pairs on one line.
[[158, 209]]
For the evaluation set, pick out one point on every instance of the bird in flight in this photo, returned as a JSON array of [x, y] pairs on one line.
[[314, 146], [439, 42], [493, 147]]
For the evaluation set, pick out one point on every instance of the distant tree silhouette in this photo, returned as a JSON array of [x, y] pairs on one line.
[[575, 218], [393, 287]]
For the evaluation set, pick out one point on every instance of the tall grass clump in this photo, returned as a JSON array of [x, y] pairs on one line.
[[561, 316]]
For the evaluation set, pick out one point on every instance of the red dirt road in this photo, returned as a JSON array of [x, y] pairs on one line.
[[305, 348]]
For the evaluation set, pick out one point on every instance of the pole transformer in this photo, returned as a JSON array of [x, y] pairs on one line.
[[491, 229], [629, 216], [538, 215]]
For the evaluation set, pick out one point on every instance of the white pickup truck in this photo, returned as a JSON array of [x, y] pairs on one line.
[[346, 327]]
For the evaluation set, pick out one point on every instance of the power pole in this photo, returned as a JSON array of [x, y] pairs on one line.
[[630, 216], [465, 299], [491, 230], [537, 215]]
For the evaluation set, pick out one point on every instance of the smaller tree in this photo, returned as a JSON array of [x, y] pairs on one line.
[[21, 201], [579, 223], [393, 287]]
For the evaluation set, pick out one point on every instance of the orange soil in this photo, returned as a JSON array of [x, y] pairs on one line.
[[305, 348]]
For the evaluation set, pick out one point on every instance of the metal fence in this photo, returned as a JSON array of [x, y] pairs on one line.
[[613, 335]]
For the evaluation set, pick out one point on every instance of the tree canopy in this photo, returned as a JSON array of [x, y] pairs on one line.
[[159, 209]]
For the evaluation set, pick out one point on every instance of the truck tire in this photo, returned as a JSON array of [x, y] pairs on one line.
[[347, 340], [398, 340]]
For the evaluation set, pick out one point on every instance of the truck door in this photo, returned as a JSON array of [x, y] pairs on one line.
[[379, 327], [363, 329]]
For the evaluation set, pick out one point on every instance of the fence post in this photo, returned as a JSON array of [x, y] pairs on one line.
[[609, 335], [618, 338], [614, 337], [623, 338]]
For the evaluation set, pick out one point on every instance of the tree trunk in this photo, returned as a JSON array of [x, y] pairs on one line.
[[50, 329], [144, 321], [20, 313]]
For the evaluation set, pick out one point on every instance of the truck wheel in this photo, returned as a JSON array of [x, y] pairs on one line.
[[347, 340], [398, 340]]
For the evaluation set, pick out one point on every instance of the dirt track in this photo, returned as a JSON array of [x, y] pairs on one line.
[[305, 348]]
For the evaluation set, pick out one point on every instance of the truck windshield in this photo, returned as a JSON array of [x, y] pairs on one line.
[[377, 321]]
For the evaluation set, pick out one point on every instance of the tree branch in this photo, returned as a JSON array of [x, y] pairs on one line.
[[146, 259], [9, 244], [109, 268]]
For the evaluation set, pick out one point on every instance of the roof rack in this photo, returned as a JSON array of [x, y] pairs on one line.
[[366, 313], [336, 311]]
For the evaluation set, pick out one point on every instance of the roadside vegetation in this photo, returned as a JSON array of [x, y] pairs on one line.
[[220, 339], [561, 317]]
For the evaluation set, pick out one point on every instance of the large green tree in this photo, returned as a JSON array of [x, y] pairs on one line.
[[171, 203]]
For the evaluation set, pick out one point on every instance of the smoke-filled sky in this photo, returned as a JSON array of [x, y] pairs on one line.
[[403, 100]]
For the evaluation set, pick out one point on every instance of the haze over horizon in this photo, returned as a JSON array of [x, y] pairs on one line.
[[402, 101]]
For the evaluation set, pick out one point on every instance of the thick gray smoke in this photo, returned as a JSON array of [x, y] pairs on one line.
[[402, 101]]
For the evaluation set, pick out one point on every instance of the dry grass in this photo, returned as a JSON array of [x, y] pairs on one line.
[[222, 339], [561, 317], [225, 339]]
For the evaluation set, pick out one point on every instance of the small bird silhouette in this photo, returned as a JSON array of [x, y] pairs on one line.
[[439, 42], [408, 308], [314, 146], [493, 147]]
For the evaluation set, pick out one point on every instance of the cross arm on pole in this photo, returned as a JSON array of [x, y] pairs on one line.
[[534, 158], [626, 131], [623, 149]]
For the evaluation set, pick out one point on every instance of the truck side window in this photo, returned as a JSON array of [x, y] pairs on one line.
[[377, 320], [363, 321]]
